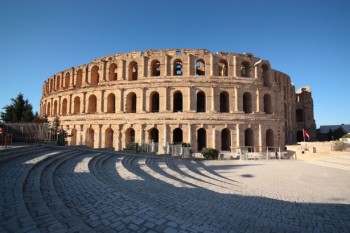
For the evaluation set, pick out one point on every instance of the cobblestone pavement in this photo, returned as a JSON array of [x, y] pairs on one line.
[[51, 189]]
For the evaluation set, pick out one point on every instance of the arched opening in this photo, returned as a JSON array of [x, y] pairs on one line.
[[154, 135], [177, 101], [48, 112], [92, 107], [177, 136], [224, 102], [201, 139], [155, 68], [111, 103], [300, 136], [154, 102], [249, 137], [133, 71], [129, 136], [64, 107], [109, 138], [267, 104], [73, 138], [265, 75], [79, 80], [223, 68], [200, 67], [247, 102], [131, 102], [51, 85], [201, 105], [76, 105], [55, 108], [95, 76], [67, 81], [245, 69], [178, 67], [269, 138], [113, 75], [226, 140], [89, 138], [299, 115], [58, 82]]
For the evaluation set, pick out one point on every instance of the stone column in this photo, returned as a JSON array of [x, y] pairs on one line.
[[70, 104], [213, 99], [257, 100], [211, 65], [166, 100], [59, 106], [260, 137], [72, 79], [102, 108], [84, 103], [236, 100], [238, 141]]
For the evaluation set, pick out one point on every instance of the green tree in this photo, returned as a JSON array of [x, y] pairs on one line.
[[19, 111], [339, 133]]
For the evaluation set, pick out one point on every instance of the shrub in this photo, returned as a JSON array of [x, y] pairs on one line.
[[339, 146], [210, 153], [346, 135], [130, 146]]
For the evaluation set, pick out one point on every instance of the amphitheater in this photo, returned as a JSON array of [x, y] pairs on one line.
[[226, 101]]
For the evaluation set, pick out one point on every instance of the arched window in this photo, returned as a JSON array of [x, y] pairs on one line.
[[109, 138], [265, 75], [129, 136], [58, 82], [155, 68], [249, 138], [201, 105], [111, 103], [267, 104], [133, 71], [113, 75], [48, 112], [247, 102], [131, 103], [223, 68], [154, 102], [73, 138], [51, 85], [89, 138], [178, 67], [153, 135], [76, 105], [224, 102], [177, 101], [79, 80], [200, 67], [299, 115], [245, 69], [226, 140], [92, 107], [177, 136], [201, 139], [95, 76], [67, 81], [64, 107], [269, 138], [55, 108]]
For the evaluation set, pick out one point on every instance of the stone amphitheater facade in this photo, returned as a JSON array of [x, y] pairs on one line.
[[223, 101]]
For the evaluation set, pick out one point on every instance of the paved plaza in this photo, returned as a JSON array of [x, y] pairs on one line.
[[62, 189]]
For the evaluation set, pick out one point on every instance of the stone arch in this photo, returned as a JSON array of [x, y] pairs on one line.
[[67, 80], [177, 136], [201, 103], [111, 103], [155, 68], [89, 138], [79, 81], [154, 101], [153, 135], [249, 137], [299, 115], [64, 107], [177, 102], [109, 138], [223, 68], [92, 107], [113, 74], [131, 102], [51, 85], [55, 108], [48, 111], [247, 102], [269, 138], [201, 139], [178, 66], [226, 140], [133, 71], [73, 138], [267, 104], [265, 75], [129, 136], [200, 67], [58, 82], [224, 102], [95, 76], [76, 105], [245, 69]]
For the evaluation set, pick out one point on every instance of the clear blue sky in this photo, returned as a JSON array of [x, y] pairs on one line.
[[307, 39]]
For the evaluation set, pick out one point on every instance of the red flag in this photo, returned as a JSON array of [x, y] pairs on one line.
[[306, 135]]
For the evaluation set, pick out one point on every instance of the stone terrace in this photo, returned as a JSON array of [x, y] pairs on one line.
[[52, 189]]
